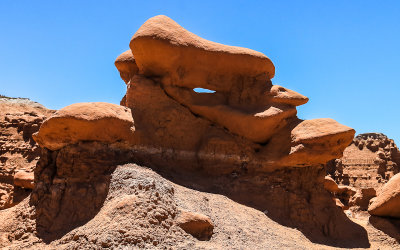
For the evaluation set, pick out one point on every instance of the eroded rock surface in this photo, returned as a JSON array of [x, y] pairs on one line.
[[367, 164], [387, 203], [247, 120], [19, 119], [242, 135], [97, 121], [243, 141]]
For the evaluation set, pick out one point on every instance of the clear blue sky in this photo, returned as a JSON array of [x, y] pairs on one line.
[[343, 55]]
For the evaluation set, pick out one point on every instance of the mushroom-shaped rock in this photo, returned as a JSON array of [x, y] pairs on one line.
[[387, 203], [163, 48], [126, 65], [24, 179], [198, 225], [318, 141], [97, 121]]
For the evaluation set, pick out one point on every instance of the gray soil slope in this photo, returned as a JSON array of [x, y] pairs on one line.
[[140, 211]]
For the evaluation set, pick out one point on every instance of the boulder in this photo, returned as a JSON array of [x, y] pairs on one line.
[[97, 121], [198, 225], [362, 197], [387, 202], [24, 179]]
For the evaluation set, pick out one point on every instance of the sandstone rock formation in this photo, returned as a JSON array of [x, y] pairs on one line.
[[82, 144], [19, 119], [246, 121], [243, 141], [387, 203], [367, 164], [98, 121], [242, 138]]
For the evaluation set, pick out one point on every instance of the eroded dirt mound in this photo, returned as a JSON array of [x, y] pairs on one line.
[[141, 209], [19, 119]]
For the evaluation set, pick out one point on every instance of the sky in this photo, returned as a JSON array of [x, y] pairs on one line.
[[343, 55]]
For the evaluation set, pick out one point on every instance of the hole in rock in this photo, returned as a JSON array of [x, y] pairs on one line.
[[202, 90]]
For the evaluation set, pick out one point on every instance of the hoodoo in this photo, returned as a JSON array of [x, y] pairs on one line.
[[175, 168]]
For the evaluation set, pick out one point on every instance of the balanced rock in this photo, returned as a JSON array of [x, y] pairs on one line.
[[387, 203], [98, 121], [198, 225]]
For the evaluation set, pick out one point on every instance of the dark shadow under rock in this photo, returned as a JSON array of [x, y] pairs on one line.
[[293, 197], [389, 226], [71, 185]]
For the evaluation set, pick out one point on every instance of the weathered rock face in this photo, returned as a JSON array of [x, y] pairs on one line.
[[387, 203], [367, 164], [243, 140], [19, 119], [98, 121], [82, 144], [246, 121]]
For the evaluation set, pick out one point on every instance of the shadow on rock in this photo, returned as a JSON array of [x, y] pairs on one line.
[[292, 197], [71, 186], [389, 226]]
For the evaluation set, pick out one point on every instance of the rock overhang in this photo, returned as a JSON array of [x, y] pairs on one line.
[[96, 121]]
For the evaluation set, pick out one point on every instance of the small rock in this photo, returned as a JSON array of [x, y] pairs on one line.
[[198, 225]]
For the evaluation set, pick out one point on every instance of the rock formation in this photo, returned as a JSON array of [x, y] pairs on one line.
[[387, 203], [244, 138], [82, 144], [243, 141], [367, 164], [19, 119], [246, 121]]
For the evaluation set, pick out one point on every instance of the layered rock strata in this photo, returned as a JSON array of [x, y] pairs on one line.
[[82, 144], [19, 119], [367, 164]]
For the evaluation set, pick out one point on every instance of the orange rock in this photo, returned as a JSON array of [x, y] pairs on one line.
[[97, 121], [318, 141], [330, 185], [349, 191], [126, 65], [387, 203], [163, 48], [287, 96], [339, 203], [198, 225], [245, 121], [255, 125], [24, 179]]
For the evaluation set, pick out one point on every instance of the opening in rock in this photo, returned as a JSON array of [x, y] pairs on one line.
[[202, 90]]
